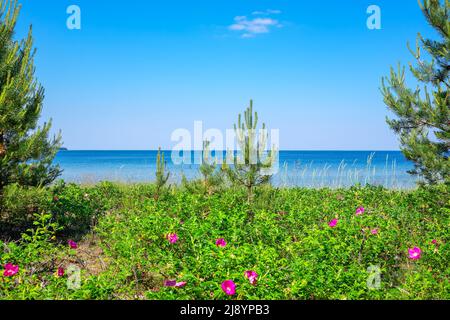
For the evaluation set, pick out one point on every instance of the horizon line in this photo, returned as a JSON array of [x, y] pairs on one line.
[[319, 150]]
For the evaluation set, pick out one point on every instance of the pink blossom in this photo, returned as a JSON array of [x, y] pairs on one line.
[[221, 242], [174, 283], [359, 211], [414, 253], [229, 287], [374, 231], [180, 284], [170, 283], [251, 276], [172, 237], [72, 244], [434, 241], [60, 272], [10, 270], [333, 223]]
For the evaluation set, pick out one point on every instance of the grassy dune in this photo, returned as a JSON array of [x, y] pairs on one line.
[[123, 248]]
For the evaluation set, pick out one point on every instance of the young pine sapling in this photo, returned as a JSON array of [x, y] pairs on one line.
[[250, 169], [161, 175]]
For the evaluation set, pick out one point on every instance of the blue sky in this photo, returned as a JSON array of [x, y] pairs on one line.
[[137, 70]]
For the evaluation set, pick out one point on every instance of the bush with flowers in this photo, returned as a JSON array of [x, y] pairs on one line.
[[289, 243]]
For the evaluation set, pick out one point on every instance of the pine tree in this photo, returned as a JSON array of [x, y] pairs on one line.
[[212, 178], [26, 152], [161, 176], [422, 121], [250, 169]]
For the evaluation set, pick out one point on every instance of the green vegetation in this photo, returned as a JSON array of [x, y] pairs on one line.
[[423, 122], [26, 153], [214, 238], [212, 178], [161, 175], [124, 253], [250, 167]]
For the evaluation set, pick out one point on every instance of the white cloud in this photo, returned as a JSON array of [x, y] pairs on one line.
[[249, 28], [266, 12], [274, 11]]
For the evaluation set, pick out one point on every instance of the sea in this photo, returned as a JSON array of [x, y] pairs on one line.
[[314, 169]]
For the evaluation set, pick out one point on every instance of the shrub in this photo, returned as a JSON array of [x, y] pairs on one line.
[[76, 209], [288, 242], [18, 205]]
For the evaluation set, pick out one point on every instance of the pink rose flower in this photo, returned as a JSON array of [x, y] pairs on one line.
[[10, 270], [251, 276], [414, 253], [221, 242], [60, 272], [359, 211], [229, 287], [174, 283], [180, 284], [374, 231], [170, 283], [333, 223], [434, 241], [172, 237], [72, 244]]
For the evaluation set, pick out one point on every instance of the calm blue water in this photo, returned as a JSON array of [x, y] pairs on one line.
[[296, 168]]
